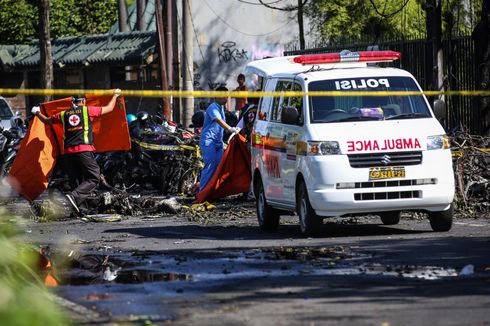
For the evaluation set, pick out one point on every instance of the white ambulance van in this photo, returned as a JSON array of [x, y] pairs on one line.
[[344, 139]]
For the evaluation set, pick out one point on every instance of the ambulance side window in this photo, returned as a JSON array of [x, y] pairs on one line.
[[297, 101], [265, 102], [279, 101]]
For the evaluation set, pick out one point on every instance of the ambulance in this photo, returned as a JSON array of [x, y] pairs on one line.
[[344, 134]]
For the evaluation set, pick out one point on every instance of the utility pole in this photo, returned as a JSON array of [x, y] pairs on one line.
[[167, 112], [177, 80], [122, 12], [45, 47], [168, 47], [188, 64]]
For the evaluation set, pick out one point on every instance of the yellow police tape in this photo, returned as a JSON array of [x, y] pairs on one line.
[[249, 94], [158, 147], [460, 152]]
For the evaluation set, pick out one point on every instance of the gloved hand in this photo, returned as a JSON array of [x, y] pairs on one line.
[[35, 110], [234, 130], [117, 92]]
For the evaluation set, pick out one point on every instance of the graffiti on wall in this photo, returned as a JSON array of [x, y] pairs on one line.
[[214, 85], [197, 83], [210, 83], [229, 52]]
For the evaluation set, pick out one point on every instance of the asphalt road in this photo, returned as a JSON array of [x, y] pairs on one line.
[[225, 271]]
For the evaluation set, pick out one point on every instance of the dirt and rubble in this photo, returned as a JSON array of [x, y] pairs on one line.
[[471, 163]]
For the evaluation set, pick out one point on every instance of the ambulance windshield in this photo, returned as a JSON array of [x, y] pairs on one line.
[[325, 109]]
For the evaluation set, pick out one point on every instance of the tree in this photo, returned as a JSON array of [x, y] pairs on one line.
[[300, 8], [96, 16], [460, 16], [345, 20], [45, 47], [481, 38], [122, 12], [19, 18], [372, 20]]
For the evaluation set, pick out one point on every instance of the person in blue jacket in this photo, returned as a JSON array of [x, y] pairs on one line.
[[211, 141]]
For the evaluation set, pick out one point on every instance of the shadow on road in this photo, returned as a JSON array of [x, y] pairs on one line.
[[330, 230]]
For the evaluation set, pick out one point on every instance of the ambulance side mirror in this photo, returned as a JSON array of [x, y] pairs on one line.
[[439, 107], [289, 115]]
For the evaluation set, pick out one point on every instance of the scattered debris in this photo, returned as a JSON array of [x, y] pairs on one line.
[[471, 160], [467, 270], [308, 253], [102, 218]]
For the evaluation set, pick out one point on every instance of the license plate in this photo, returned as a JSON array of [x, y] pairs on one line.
[[388, 172]]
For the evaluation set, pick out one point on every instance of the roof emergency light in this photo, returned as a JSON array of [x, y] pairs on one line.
[[348, 56]]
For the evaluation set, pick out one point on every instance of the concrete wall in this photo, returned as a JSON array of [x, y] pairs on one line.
[[229, 34]]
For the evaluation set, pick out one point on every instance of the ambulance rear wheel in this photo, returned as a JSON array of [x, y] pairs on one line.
[[390, 218], [442, 221], [268, 217], [309, 222]]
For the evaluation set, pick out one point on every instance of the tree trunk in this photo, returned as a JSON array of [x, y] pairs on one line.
[[481, 39], [122, 12], [46, 58], [167, 112], [140, 13], [301, 25]]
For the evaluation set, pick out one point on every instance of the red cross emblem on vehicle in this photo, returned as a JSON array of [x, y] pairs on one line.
[[74, 120]]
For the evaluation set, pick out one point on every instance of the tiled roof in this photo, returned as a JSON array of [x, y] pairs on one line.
[[130, 47]]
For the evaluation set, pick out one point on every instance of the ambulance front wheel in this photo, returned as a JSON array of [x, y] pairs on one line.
[[268, 217], [390, 218], [309, 222], [442, 221]]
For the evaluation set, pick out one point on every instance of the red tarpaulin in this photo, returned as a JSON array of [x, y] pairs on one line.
[[44, 143], [233, 174]]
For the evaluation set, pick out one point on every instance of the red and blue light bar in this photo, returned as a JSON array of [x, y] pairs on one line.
[[348, 56]]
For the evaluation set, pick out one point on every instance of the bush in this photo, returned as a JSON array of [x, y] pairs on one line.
[[24, 300]]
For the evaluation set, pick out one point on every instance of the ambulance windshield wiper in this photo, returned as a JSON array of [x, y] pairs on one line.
[[356, 118], [408, 116]]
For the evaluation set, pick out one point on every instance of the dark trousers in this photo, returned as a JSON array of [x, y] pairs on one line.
[[84, 174]]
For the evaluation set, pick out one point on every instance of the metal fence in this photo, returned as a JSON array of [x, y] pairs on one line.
[[459, 73]]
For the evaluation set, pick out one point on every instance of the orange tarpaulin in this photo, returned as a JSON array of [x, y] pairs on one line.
[[233, 174], [43, 144]]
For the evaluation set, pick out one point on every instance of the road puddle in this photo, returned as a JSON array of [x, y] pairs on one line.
[[143, 283], [145, 275], [149, 267]]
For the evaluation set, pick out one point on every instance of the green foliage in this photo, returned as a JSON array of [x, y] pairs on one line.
[[372, 20], [359, 20], [460, 17], [19, 19], [23, 298], [96, 16], [64, 20]]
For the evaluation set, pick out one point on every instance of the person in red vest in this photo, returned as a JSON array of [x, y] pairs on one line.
[[78, 154]]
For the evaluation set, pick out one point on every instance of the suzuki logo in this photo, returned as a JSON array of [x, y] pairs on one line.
[[386, 159]]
